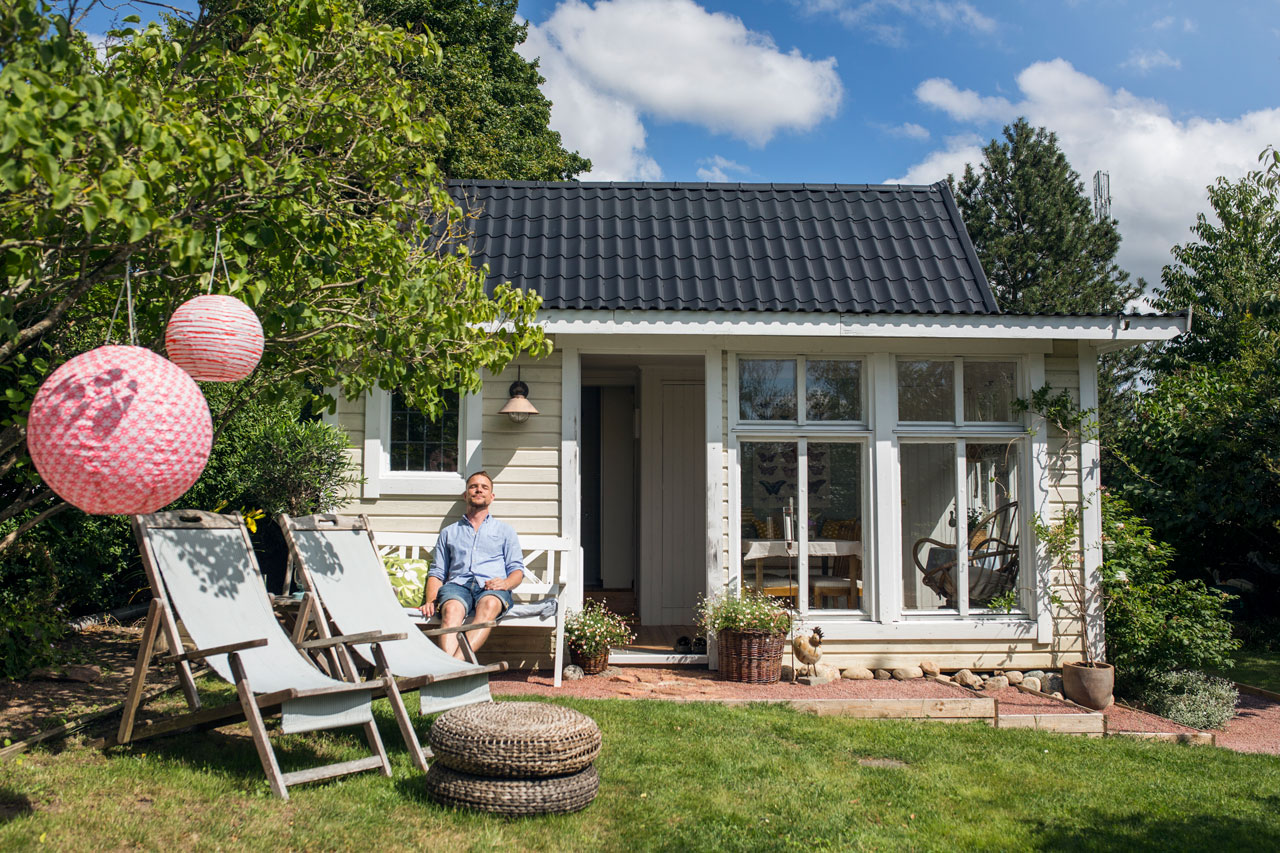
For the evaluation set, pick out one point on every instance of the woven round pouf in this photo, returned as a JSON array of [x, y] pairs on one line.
[[515, 739], [514, 797]]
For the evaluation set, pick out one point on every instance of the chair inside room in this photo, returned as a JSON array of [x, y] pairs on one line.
[[993, 558]]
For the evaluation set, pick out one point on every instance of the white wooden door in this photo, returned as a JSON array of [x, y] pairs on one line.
[[682, 514]]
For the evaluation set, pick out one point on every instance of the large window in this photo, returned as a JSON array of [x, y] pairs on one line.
[[961, 460], [406, 452]]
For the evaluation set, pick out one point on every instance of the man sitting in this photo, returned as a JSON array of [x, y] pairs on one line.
[[477, 563]]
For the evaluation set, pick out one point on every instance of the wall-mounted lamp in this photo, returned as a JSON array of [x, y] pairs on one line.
[[518, 408]]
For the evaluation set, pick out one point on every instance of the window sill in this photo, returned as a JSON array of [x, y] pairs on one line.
[[408, 483], [983, 628]]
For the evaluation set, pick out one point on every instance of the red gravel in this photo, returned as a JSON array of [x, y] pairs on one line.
[[1256, 727], [634, 682], [1014, 702], [1124, 719]]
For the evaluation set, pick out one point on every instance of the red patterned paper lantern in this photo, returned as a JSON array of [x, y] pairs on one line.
[[214, 338], [119, 429]]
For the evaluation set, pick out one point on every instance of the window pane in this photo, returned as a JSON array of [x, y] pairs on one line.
[[767, 389], [769, 486], [926, 391], [833, 390], [418, 443], [928, 526], [835, 522], [992, 474], [989, 390]]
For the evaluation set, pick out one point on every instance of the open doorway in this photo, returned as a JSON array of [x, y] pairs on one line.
[[643, 515]]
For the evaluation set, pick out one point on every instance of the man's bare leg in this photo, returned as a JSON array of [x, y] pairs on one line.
[[451, 616], [488, 608]]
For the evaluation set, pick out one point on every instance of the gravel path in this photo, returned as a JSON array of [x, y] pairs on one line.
[[1256, 726]]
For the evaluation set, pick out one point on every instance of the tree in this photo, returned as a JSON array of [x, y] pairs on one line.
[[301, 142], [497, 120], [1034, 230]]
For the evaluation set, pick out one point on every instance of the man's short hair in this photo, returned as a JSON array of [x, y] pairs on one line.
[[480, 473]]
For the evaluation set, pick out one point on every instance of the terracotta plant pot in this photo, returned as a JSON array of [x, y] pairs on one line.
[[593, 665], [1090, 685]]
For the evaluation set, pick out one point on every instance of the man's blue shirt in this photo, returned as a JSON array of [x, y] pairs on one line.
[[464, 553]]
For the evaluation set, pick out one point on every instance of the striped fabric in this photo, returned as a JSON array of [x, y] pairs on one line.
[[214, 338]]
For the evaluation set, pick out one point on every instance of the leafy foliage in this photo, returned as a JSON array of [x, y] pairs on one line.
[[302, 140], [595, 629], [31, 621], [299, 467], [1034, 230], [1191, 698], [1155, 622], [752, 610]]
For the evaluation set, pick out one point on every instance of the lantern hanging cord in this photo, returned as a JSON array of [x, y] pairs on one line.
[[116, 311], [217, 256], [128, 287]]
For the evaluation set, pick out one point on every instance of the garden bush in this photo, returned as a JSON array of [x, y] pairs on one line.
[[1156, 622], [31, 620], [1191, 698]]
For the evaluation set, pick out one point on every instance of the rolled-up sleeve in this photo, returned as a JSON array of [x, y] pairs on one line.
[[511, 553], [440, 558]]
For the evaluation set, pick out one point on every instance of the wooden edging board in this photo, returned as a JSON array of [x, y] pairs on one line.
[[1087, 722], [1257, 691], [959, 709], [1196, 737]]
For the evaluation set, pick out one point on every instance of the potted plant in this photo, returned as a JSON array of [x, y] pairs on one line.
[[591, 632], [751, 629]]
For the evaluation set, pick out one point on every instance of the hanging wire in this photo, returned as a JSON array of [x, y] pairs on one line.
[[133, 336], [111, 326], [213, 269]]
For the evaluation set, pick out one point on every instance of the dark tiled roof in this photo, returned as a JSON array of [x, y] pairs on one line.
[[729, 247]]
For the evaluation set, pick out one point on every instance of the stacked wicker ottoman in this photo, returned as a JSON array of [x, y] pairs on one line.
[[514, 758]]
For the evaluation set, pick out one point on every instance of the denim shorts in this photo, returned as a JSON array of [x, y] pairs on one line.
[[469, 593]]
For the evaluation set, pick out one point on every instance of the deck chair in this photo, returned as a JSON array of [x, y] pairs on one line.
[[202, 571], [336, 558]]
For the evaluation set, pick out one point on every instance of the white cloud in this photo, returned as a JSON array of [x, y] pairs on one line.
[[1146, 61], [1159, 165], [670, 60], [883, 18], [910, 130], [962, 104], [716, 169], [1169, 22]]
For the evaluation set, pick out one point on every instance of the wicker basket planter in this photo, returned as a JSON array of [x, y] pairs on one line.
[[753, 657], [591, 665]]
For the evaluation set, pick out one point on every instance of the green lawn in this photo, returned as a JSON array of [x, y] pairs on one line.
[[1255, 668], [675, 776]]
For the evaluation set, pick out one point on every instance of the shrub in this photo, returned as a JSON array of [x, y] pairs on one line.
[[595, 629], [31, 621], [298, 467], [750, 611], [1156, 622], [1191, 698]]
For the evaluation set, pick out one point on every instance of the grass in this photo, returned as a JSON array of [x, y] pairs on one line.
[[675, 776], [1255, 667]]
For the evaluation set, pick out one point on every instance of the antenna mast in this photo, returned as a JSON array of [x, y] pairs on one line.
[[1102, 196]]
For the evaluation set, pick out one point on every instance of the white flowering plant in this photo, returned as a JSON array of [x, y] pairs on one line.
[[595, 629], [750, 611], [408, 578]]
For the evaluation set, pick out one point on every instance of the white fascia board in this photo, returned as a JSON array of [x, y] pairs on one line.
[[1106, 332]]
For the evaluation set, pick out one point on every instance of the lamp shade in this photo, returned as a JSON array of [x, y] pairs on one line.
[[214, 338], [119, 430]]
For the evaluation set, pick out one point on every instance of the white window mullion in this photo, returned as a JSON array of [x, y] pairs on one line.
[[802, 522], [962, 530]]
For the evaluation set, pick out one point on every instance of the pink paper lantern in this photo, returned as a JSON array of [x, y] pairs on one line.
[[214, 338], [119, 430]]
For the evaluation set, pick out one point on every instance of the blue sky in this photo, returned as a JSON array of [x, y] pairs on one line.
[[1165, 96]]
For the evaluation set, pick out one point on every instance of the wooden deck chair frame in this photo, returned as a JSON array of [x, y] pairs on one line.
[[162, 627], [447, 684]]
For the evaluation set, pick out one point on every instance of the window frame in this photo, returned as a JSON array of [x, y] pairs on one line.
[[381, 481], [802, 420]]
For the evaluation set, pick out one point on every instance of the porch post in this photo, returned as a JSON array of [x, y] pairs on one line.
[[1038, 477], [571, 472], [713, 384], [1091, 502], [886, 494]]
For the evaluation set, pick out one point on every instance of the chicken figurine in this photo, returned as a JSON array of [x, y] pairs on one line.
[[808, 649]]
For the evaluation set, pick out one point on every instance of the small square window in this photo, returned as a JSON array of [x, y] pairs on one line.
[[767, 389], [833, 390], [989, 390], [419, 443], [926, 391]]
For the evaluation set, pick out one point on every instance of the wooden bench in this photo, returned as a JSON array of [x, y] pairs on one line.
[[539, 599]]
